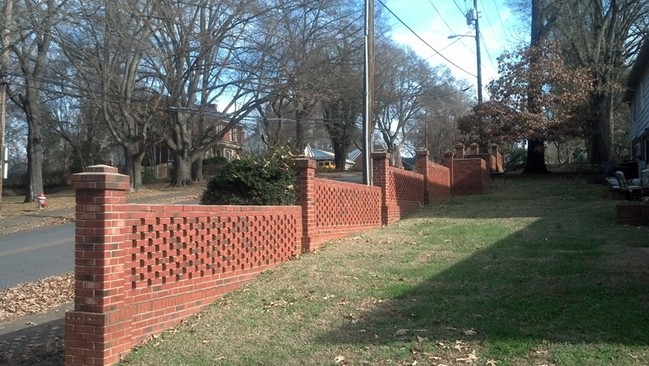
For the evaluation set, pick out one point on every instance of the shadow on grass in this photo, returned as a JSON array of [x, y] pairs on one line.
[[567, 276]]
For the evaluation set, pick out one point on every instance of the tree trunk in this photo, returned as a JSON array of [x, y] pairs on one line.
[[182, 172], [34, 146], [601, 139], [134, 169], [299, 130], [535, 162], [197, 170], [34, 162]]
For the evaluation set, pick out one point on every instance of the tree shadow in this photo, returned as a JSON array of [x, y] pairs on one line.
[[553, 280]]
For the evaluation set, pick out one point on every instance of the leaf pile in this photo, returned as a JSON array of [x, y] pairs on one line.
[[35, 297]]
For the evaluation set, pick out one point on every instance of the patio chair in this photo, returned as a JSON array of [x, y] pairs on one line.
[[629, 188]]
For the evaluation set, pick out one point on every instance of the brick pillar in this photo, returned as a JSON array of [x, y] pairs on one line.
[[475, 148], [448, 162], [381, 178], [305, 170], [459, 151], [95, 334], [422, 168]]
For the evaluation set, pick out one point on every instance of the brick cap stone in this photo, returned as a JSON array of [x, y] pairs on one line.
[[101, 177], [304, 162]]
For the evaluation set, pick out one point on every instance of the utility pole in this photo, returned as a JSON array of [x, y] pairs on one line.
[[477, 50], [472, 16], [368, 113]]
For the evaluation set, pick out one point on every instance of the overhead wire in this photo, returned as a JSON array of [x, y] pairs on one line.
[[449, 27], [424, 41]]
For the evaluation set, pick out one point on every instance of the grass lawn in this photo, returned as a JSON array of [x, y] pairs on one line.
[[534, 273]]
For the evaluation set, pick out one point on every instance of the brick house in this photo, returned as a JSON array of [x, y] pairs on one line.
[[637, 96]]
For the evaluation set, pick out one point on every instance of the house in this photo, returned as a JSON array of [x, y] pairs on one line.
[[229, 146], [637, 96]]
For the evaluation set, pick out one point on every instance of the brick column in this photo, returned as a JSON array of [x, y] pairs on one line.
[[380, 177], [305, 170], [448, 162], [459, 150], [422, 168], [94, 332], [475, 148]]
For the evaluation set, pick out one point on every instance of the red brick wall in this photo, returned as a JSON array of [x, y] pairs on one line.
[[402, 191], [344, 208], [437, 179], [470, 176], [634, 214], [141, 269]]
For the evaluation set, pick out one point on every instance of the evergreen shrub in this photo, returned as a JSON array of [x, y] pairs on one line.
[[267, 179]]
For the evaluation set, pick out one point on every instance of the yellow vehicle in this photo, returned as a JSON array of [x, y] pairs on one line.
[[326, 165]]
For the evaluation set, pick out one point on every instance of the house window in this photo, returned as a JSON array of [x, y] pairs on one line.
[[233, 135], [228, 155]]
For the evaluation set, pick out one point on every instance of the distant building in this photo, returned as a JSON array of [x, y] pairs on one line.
[[637, 95], [323, 156]]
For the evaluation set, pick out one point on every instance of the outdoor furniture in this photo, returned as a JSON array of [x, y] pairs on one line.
[[629, 188], [644, 181]]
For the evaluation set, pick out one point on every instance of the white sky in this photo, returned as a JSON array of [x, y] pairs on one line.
[[435, 20]]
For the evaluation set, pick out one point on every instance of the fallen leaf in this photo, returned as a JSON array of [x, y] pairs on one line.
[[470, 332], [470, 358], [401, 332], [339, 359], [491, 363], [421, 339]]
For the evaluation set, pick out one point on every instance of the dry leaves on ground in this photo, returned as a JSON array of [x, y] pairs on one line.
[[36, 297]]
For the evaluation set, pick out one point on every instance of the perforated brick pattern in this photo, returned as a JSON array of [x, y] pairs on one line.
[[169, 249], [346, 204]]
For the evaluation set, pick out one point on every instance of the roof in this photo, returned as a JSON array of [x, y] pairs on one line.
[[320, 155], [639, 67]]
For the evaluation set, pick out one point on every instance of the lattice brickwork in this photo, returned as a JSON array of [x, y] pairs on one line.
[[342, 208], [166, 249], [184, 255]]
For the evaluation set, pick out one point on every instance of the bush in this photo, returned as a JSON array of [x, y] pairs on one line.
[[254, 180]]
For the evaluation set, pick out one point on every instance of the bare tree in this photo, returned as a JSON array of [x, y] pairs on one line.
[[106, 44], [404, 83], [30, 49], [201, 64]]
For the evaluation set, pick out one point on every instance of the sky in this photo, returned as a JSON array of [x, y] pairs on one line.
[[435, 20]]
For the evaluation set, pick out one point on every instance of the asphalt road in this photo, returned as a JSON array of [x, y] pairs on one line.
[[33, 255]]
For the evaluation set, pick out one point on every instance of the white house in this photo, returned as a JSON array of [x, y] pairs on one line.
[[637, 96]]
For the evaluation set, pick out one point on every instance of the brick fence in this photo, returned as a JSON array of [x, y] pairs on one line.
[[632, 213], [140, 269]]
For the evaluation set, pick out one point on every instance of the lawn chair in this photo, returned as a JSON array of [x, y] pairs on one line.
[[626, 187]]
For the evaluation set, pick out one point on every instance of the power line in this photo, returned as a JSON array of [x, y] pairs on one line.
[[448, 26], [499, 14], [423, 41], [459, 8]]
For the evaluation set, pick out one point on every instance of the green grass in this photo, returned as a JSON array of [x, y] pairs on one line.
[[536, 272]]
